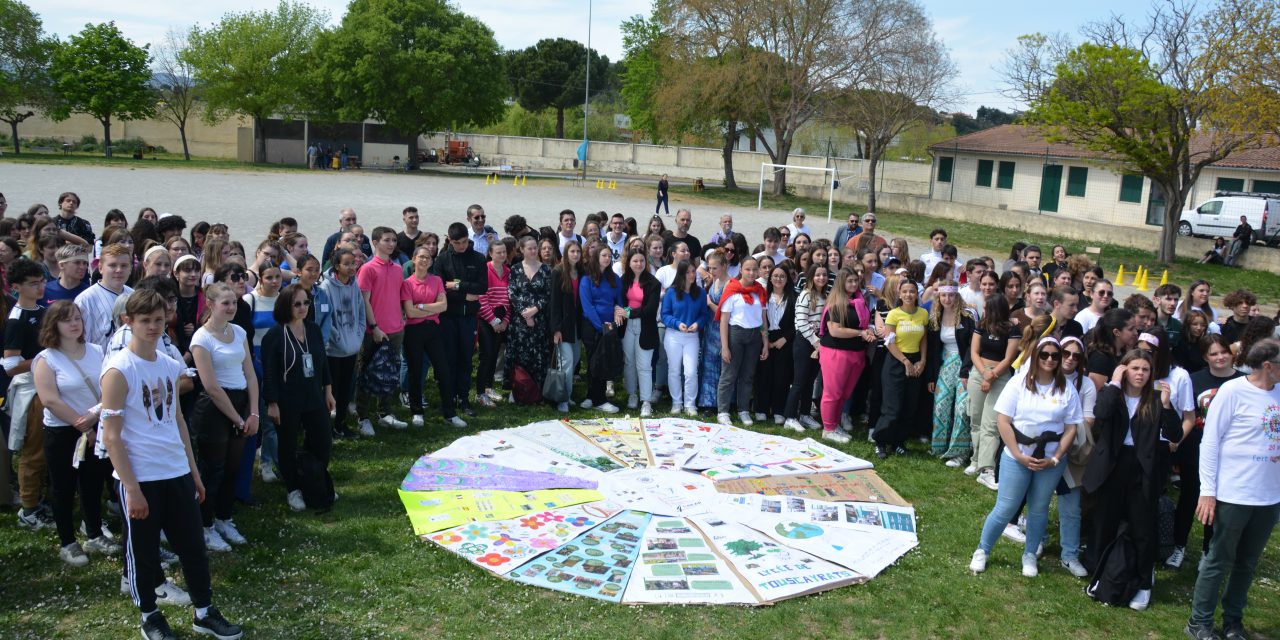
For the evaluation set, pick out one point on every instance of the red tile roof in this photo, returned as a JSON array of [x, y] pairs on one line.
[[1022, 140]]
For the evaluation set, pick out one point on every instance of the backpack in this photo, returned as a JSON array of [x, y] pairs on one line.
[[524, 387], [607, 358], [1116, 580], [314, 482], [380, 374]]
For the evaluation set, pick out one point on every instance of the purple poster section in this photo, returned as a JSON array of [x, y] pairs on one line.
[[434, 474]]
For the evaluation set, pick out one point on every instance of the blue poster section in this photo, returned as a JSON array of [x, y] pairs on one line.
[[596, 564]]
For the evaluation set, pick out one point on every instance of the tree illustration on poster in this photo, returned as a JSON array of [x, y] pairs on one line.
[[659, 511]]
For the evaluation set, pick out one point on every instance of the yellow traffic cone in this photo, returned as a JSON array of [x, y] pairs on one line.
[[486, 179], [1164, 278], [1120, 276], [524, 180], [613, 184], [1141, 284]]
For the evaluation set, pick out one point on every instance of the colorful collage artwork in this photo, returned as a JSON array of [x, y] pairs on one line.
[[666, 511]]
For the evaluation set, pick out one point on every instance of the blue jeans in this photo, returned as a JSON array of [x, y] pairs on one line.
[[1068, 523], [1018, 482]]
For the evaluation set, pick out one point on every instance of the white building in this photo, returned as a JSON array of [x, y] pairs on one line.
[[1012, 167]]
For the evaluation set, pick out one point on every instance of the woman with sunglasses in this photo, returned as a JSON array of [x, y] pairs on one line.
[[1039, 414], [347, 335], [1077, 458], [1204, 385], [1126, 474], [1102, 295], [297, 387], [991, 351]]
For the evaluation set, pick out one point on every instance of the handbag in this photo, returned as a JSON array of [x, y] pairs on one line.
[[607, 359], [558, 384]]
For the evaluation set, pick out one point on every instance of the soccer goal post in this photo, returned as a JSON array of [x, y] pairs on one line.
[[769, 170]]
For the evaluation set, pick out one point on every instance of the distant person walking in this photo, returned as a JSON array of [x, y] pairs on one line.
[[662, 196]]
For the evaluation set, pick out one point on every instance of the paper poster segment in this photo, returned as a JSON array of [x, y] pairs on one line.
[[431, 511], [672, 441], [866, 550], [679, 565], [732, 453], [431, 473], [621, 439], [597, 563], [503, 545], [555, 436], [517, 453], [772, 571], [840, 486], [671, 493]]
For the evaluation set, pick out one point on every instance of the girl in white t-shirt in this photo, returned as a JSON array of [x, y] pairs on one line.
[[1038, 414], [225, 413], [66, 376]]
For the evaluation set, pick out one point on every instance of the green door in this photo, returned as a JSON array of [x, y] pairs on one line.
[[1050, 187]]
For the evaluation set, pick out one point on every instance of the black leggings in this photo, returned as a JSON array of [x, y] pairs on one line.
[[221, 449], [59, 449], [804, 372], [313, 424], [425, 337], [773, 379], [343, 373], [1188, 458], [490, 342]]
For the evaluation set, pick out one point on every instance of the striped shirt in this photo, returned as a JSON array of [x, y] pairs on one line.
[[96, 304], [806, 320], [496, 296]]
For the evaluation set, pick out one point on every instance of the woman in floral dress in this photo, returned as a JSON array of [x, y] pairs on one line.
[[529, 339], [709, 375]]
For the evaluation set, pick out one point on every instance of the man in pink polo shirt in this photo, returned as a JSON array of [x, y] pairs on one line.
[[380, 279]]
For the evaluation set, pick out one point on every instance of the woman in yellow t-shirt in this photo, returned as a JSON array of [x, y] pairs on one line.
[[902, 379]]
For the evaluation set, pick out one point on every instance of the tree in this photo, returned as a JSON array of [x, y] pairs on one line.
[[909, 80], [175, 85], [417, 65], [552, 73], [101, 73], [1164, 98], [808, 49], [255, 63], [25, 54], [642, 58]]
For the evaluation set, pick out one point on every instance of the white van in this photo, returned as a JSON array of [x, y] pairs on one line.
[[1220, 215]]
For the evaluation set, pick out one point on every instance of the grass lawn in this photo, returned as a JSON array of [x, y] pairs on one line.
[[996, 241], [158, 160], [358, 572]]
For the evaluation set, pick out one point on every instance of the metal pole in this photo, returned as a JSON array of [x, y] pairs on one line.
[[586, 96]]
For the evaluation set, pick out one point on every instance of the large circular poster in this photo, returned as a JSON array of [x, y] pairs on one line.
[[659, 511]]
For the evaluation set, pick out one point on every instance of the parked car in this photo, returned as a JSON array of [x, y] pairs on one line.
[[1220, 215]]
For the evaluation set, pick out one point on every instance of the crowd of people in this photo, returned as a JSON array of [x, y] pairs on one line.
[[183, 365]]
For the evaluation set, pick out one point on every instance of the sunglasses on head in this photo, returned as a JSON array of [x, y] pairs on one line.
[[1050, 355]]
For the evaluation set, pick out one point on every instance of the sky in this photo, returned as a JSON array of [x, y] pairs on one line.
[[977, 32]]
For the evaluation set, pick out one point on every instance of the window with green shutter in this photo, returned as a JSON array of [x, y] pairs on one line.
[[1077, 178], [1230, 184], [1131, 188], [1004, 179], [945, 167], [1266, 186], [984, 173]]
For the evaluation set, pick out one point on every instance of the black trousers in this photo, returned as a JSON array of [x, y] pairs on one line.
[[1128, 497], [805, 370], [459, 339], [220, 448], [59, 450], [1188, 458], [173, 509], [596, 385], [490, 343], [868, 393], [425, 338], [901, 396], [343, 373], [773, 381], [317, 437]]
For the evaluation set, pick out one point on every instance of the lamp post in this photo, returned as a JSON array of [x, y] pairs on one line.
[[586, 97]]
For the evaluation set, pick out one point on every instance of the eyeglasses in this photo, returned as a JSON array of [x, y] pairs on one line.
[[1105, 294], [298, 304], [237, 277], [868, 221], [1071, 355], [1050, 355]]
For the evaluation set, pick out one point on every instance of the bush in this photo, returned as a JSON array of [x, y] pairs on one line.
[[44, 141], [87, 143], [131, 145]]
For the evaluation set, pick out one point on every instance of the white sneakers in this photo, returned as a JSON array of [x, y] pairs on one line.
[[102, 544], [1141, 600], [760, 417], [73, 555], [366, 428], [563, 407], [988, 479], [1012, 532], [837, 436], [846, 422], [979, 562], [608, 407], [1075, 568], [646, 410], [295, 500], [724, 419], [393, 422], [457, 422], [690, 411], [793, 424], [227, 529], [955, 463], [586, 404], [971, 469], [808, 422], [268, 474], [167, 593], [417, 420], [1029, 568], [745, 418], [213, 540], [1175, 559]]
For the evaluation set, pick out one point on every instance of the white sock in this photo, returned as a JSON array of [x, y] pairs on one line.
[[201, 612]]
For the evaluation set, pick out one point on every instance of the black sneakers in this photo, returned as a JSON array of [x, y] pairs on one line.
[[213, 624], [155, 627]]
